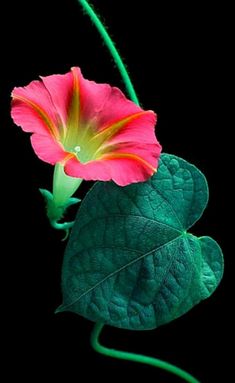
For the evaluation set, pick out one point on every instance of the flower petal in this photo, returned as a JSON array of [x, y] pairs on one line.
[[61, 89], [147, 154], [121, 167], [116, 108], [47, 149], [93, 97], [33, 110], [103, 104], [127, 169], [138, 128], [93, 170]]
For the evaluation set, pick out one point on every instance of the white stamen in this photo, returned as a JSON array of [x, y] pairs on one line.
[[77, 149]]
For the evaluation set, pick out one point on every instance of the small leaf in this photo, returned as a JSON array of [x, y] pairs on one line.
[[130, 262]]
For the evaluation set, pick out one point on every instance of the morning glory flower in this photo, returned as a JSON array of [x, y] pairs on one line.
[[91, 129]]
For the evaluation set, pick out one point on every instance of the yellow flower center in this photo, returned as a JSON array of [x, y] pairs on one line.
[[81, 142]]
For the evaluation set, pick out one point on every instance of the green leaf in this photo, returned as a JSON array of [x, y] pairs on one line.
[[130, 262]]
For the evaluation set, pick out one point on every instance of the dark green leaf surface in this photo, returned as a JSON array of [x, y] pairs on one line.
[[130, 262]]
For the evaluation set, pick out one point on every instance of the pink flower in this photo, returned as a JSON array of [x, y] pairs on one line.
[[90, 129]]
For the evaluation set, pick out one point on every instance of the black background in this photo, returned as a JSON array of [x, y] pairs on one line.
[[177, 58]]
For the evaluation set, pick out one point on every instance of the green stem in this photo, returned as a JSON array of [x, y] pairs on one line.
[[136, 357], [99, 326], [113, 50]]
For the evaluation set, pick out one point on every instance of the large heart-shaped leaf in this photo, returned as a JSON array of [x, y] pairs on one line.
[[130, 262]]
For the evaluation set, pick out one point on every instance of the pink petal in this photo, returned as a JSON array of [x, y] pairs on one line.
[[102, 103], [122, 168], [116, 108], [93, 97], [61, 88], [140, 129], [33, 110], [147, 153], [136, 128], [47, 149], [93, 170], [125, 171]]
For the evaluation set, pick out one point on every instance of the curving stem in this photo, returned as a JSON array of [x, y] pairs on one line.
[[137, 357], [99, 326], [111, 47]]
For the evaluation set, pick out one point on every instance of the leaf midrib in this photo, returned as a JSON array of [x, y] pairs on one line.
[[130, 215], [63, 307]]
